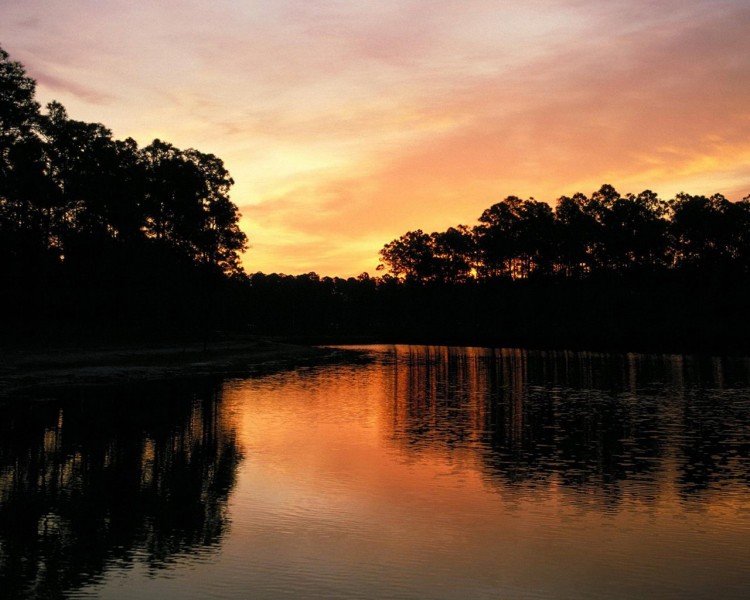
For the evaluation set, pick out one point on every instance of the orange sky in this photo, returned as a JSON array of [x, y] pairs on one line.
[[347, 123]]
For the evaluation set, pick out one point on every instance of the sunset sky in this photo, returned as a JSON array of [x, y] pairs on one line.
[[346, 123]]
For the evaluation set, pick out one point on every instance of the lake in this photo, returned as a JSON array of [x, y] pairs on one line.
[[411, 472]]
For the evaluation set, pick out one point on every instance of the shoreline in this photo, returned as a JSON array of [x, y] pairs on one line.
[[31, 372], [539, 344]]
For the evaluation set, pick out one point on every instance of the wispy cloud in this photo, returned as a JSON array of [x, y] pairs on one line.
[[71, 88], [346, 123]]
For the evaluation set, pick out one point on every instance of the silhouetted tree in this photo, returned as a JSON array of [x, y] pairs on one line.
[[92, 226], [19, 112], [740, 251], [516, 238], [606, 233], [453, 254], [704, 232], [496, 237], [411, 256], [187, 205], [577, 234], [632, 229]]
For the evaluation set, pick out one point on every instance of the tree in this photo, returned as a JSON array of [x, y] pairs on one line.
[[496, 237], [610, 232], [187, 205], [24, 186], [19, 112], [515, 238], [633, 232], [453, 254], [19, 148], [535, 239], [577, 233], [219, 240], [701, 231], [410, 256], [93, 226], [739, 217], [84, 162]]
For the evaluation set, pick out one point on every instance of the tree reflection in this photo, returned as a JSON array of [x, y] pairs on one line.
[[96, 481], [716, 445], [598, 426]]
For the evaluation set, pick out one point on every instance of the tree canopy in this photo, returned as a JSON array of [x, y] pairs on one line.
[[65, 182], [98, 233], [582, 236], [83, 214]]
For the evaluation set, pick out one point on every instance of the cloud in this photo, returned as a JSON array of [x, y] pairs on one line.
[[83, 92], [347, 123], [645, 109]]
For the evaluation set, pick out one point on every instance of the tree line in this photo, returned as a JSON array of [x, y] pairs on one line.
[[608, 271], [581, 237], [101, 237], [92, 223]]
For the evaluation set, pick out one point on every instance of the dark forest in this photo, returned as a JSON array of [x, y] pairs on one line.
[[101, 239]]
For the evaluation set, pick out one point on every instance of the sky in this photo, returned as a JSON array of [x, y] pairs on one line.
[[346, 123]]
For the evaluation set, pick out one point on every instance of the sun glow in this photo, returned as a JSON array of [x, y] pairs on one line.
[[347, 123]]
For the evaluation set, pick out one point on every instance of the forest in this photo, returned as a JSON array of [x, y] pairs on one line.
[[100, 233], [103, 239], [582, 237], [605, 271]]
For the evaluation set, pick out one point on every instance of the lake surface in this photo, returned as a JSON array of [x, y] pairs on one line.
[[422, 472]]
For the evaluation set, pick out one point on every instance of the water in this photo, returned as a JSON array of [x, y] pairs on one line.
[[425, 472]]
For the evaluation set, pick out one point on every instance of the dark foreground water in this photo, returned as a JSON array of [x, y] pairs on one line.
[[425, 473]]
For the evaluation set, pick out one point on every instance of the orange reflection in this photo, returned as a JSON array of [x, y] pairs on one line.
[[494, 468]]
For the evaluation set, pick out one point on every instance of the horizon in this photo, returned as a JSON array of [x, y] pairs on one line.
[[344, 126]]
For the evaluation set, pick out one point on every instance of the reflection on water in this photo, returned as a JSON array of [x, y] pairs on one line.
[[89, 483], [428, 472], [589, 422]]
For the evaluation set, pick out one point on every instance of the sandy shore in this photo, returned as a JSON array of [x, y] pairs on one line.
[[29, 371]]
